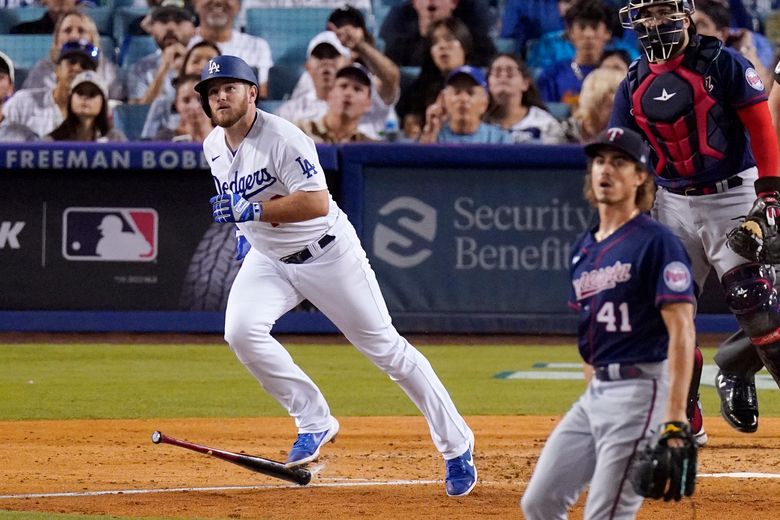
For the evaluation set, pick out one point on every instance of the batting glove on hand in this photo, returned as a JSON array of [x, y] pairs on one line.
[[242, 245], [231, 207]]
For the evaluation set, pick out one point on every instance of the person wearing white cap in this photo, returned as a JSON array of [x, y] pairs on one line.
[[87, 116], [10, 131], [325, 55], [309, 98]]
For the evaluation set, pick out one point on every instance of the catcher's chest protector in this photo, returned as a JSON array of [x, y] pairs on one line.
[[676, 107]]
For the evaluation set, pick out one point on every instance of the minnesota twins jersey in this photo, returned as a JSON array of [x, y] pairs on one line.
[[275, 159], [687, 110], [619, 286]]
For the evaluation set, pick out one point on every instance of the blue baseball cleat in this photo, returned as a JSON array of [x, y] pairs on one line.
[[306, 447], [461, 475]]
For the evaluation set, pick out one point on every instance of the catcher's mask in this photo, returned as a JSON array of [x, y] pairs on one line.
[[659, 25]]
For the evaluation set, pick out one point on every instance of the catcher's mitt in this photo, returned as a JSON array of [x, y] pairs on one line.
[[663, 471], [756, 238]]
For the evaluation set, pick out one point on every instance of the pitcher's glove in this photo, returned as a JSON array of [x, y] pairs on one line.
[[663, 471], [756, 238]]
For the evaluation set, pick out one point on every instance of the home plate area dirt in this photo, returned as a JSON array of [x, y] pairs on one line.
[[379, 467]]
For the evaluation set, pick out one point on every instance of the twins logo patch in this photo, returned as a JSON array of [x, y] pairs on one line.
[[109, 234], [677, 277], [753, 79]]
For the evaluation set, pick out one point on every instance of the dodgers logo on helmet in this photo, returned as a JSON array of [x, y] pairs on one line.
[[109, 234], [213, 67], [677, 277]]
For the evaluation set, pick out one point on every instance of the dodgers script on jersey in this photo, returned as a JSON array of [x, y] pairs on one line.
[[274, 159], [619, 286]]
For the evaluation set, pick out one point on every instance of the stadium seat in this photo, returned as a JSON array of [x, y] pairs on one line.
[[282, 80], [103, 17], [408, 75], [130, 120], [11, 16], [507, 45], [561, 111], [137, 48], [287, 30], [123, 17], [381, 8], [20, 74], [25, 49], [270, 105]]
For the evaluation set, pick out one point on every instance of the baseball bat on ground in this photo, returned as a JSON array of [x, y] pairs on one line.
[[251, 462]]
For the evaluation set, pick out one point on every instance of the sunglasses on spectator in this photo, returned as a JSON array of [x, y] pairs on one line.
[[86, 63]]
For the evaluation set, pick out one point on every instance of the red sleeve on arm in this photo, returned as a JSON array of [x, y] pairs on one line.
[[758, 123]]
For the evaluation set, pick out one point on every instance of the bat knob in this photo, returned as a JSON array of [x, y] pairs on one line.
[[157, 437]]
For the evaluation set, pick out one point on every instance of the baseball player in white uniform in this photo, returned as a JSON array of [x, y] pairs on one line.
[[270, 183]]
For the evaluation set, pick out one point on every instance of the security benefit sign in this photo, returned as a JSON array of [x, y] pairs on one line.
[[487, 241]]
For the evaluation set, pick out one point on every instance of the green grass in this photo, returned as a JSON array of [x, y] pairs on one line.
[[149, 381]]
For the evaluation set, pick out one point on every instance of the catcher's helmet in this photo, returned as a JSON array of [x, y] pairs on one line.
[[660, 38], [224, 66]]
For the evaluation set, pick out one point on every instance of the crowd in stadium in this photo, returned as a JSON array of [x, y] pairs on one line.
[[428, 71]]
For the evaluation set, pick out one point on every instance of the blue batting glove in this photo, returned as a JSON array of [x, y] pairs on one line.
[[242, 245], [231, 207]]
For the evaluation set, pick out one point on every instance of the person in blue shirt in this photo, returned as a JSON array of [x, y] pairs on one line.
[[588, 30], [632, 286], [456, 116]]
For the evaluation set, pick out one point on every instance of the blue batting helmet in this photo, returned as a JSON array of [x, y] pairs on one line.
[[224, 66]]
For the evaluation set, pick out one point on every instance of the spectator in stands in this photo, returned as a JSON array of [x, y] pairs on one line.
[[456, 117], [515, 104], [73, 26], [587, 28], [555, 46], [617, 59], [10, 131], [350, 27], [406, 26], [194, 125], [217, 18], [448, 46], [87, 117], [595, 107], [527, 20], [713, 18], [325, 56], [43, 109], [161, 114], [172, 27], [348, 102], [45, 24]]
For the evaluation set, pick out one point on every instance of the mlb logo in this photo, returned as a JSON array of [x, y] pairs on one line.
[[109, 234]]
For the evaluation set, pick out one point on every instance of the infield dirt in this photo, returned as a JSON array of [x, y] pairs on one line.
[[81, 456]]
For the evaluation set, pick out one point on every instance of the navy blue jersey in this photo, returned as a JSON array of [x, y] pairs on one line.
[[687, 110], [619, 286]]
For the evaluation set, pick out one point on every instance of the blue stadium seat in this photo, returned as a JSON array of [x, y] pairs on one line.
[[25, 49], [137, 48], [270, 105], [123, 17], [561, 111], [103, 17], [130, 120], [287, 30], [409, 73], [11, 16], [380, 9], [507, 45], [282, 80], [20, 74]]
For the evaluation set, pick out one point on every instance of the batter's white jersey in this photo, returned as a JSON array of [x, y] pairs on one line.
[[274, 159]]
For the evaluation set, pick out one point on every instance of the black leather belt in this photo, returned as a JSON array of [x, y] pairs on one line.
[[617, 372], [305, 254], [708, 189]]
